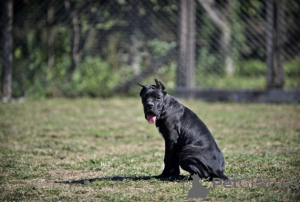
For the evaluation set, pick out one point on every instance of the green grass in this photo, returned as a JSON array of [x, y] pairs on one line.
[[69, 150], [241, 82]]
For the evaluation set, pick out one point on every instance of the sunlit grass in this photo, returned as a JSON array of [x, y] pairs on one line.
[[46, 143]]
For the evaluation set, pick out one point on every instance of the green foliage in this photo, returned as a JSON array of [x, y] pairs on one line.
[[208, 58], [238, 43], [107, 36], [258, 68], [249, 74], [231, 82], [91, 78], [252, 68], [159, 47], [95, 77], [292, 68], [292, 74], [207, 63]]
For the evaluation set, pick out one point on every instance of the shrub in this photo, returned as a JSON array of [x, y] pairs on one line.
[[292, 68], [252, 68], [95, 77]]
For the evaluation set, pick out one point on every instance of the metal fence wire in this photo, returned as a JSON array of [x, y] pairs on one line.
[[97, 46]]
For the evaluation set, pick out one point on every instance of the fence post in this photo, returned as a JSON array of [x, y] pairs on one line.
[[186, 41], [275, 35], [270, 42], [280, 6]]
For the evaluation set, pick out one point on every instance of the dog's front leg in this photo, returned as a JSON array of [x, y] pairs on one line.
[[171, 161]]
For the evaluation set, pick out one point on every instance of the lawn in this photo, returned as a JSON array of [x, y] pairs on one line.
[[103, 149]]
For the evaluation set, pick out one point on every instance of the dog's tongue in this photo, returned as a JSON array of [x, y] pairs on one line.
[[151, 118]]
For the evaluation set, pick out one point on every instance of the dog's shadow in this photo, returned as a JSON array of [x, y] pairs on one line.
[[120, 178]]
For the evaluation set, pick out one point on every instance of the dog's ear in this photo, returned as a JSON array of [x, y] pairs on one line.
[[161, 86], [143, 89], [142, 85]]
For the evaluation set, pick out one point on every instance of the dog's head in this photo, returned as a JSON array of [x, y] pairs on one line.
[[153, 100]]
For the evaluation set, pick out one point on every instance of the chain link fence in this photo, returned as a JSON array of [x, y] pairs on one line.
[[75, 47]]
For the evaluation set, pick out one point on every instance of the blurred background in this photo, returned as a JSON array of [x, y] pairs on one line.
[[102, 48]]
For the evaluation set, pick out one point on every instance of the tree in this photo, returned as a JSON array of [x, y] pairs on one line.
[[6, 50], [221, 22], [50, 33], [78, 13], [76, 52], [135, 38]]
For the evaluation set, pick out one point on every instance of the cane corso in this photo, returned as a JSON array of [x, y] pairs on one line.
[[188, 142]]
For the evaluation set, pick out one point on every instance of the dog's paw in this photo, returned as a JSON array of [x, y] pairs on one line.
[[170, 177]]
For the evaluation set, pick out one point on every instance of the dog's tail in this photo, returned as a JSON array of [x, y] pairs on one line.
[[220, 174]]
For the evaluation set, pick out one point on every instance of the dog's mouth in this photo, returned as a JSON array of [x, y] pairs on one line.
[[151, 117]]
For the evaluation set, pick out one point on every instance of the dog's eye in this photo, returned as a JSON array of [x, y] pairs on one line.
[[158, 98]]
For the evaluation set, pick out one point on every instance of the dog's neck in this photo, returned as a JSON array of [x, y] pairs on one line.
[[165, 112]]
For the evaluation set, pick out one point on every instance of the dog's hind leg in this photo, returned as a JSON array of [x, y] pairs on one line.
[[194, 166]]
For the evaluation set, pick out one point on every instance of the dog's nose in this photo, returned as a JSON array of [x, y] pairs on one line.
[[150, 104]]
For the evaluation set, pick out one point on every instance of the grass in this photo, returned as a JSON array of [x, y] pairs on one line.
[[242, 82], [103, 149]]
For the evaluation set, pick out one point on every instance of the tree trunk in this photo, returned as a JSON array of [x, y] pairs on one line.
[[187, 46], [135, 39], [50, 34], [220, 21], [7, 48], [76, 36]]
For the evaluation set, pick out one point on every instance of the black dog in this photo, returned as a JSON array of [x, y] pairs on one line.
[[188, 142]]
